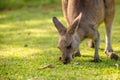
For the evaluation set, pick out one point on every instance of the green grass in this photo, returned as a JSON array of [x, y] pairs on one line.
[[34, 28]]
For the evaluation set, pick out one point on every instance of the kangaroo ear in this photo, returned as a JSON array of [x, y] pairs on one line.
[[61, 29], [73, 27]]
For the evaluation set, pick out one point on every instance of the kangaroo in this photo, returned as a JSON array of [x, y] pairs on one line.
[[83, 18]]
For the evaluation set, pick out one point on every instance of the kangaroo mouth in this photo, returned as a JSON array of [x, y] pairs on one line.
[[66, 61]]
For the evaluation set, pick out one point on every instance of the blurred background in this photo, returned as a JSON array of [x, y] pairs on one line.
[[16, 4]]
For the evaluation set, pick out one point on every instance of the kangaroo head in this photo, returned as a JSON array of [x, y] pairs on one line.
[[68, 40]]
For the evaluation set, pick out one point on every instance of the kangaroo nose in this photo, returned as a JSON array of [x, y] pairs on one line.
[[66, 61]]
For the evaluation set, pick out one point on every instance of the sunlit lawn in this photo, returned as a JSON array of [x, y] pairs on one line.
[[28, 41]]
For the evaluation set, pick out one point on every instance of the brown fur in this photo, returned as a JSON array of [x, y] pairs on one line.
[[83, 18]]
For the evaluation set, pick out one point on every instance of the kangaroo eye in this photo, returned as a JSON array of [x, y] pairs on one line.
[[68, 47]]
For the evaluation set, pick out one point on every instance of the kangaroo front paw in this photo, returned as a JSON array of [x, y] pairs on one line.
[[96, 60], [77, 54]]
